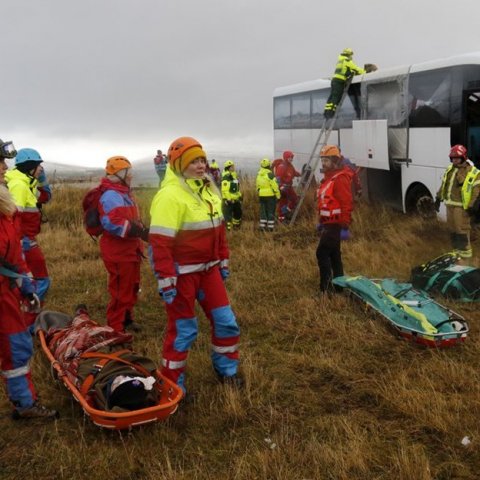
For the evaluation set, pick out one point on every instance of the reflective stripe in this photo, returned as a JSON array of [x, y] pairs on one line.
[[328, 213], [16, 372], [28, 209], [173, 365], [224, 263], [198, 267], [202, 225], [230, 349], [453, 203], [167, 232], [124, 229], [167, 282]]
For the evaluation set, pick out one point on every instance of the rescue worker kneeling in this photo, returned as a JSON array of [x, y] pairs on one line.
[[99, 361], [334, 214]]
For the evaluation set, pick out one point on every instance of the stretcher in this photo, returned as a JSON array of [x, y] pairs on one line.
[[412, 313], [169, 395]]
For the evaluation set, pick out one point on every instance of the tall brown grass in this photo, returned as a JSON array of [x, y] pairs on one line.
[[330, 392]]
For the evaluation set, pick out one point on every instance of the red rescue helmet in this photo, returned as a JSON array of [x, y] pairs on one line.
[[287, 155], [458, 151]]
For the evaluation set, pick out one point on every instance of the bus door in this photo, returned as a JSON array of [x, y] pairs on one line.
[[472, 116]]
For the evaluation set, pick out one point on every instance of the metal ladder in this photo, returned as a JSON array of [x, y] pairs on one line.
[[314, 159]]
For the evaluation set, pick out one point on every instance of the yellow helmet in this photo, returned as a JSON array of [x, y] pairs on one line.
[[348, 52], [330, 151], [265, 163], [228, 164]]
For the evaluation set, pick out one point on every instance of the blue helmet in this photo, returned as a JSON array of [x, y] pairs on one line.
[[27, 155]]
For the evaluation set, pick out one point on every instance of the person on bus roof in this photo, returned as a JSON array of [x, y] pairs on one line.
[[344, 70], [460, 191]]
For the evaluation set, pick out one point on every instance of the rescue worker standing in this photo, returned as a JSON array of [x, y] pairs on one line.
[[121, 247], [160, 163], [28, 185], [16, 344], [285, 172], [232, 196], [268, 193], [460, 190], [189, 255], [335, 206], [215, 172], [344, 70]]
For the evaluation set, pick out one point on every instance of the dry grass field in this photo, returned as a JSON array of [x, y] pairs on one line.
[[331, 392]]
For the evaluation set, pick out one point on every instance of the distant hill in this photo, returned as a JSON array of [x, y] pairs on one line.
[[144, 171]]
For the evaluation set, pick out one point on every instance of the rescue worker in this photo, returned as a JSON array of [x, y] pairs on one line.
[[121, 247], [344, 70], [268, 194], [460, 190], [285, 172], [16, 344], [335, 206], [28, 185], [189, 255], [214, 171], [231, 196], [160, 163]]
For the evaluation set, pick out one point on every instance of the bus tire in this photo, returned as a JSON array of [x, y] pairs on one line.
[[419, 201]]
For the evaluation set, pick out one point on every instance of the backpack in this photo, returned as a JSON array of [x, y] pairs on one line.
[[91, 215]]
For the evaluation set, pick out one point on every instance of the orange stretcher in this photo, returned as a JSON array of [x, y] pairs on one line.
[[169, 396]]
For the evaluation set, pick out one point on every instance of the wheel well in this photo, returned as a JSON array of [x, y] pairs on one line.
[[414, 193]]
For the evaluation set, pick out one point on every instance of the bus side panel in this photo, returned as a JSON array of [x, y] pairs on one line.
[[429, 147]]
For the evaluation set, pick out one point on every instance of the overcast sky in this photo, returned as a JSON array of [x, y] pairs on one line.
[[82, 80]]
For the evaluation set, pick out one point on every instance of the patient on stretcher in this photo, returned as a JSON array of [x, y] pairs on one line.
[[99, 361]]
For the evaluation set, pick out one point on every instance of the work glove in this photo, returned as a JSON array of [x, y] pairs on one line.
[[168, 294], [33, 302], [28, 287], [437, 204], [472, 211], [345, 234], [225, 273]]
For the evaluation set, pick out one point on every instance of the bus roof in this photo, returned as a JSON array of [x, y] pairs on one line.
[[472, 58]]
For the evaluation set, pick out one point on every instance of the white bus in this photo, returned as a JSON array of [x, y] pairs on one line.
[[398, 123]]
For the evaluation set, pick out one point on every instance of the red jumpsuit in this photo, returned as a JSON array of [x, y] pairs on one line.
[[121, 251], [16, 347], [285, 173]]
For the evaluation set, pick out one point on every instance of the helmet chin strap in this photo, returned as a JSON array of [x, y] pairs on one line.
[[124, 177]]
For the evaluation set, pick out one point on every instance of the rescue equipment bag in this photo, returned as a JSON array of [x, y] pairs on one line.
[[443, 276], [91, 215]]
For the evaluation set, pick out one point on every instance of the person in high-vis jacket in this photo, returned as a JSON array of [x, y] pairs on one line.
[[30, 190], [460, 191], [189, 255], [335, 204], [121, 245], [268, 194], [17, 288], [231, 196], [344, 70]]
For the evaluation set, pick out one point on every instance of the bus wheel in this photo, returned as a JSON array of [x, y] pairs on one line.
[[420, 202]]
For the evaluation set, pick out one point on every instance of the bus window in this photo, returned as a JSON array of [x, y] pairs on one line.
[[350, 109], [301, 111], [385, 102], [319, 98], [429, 98], [281, 112]]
